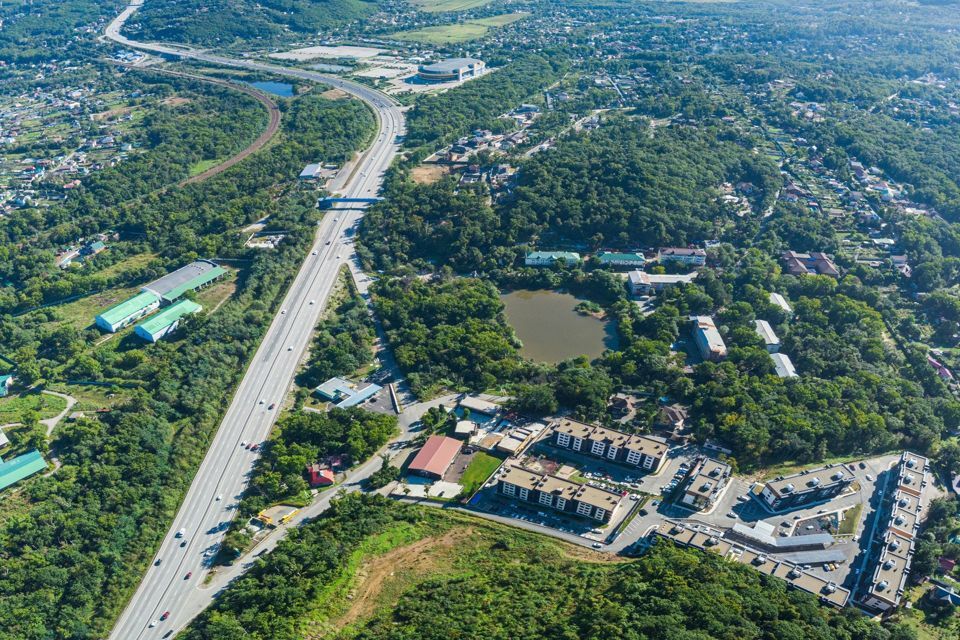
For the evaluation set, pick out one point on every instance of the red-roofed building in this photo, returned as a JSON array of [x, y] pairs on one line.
[[318, 476], [435, 457]]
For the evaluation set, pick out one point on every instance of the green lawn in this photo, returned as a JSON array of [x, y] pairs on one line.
[[15, 408], [850, 518], [439, 6], [457, 33], [478, 471]]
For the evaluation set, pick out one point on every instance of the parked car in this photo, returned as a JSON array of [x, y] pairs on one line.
[[597, 545], [731, 514]]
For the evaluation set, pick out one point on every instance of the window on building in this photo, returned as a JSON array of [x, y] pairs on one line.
[[546, 498], [561, 503], [597, 448], [612, 453], [599, 514], [583, 508], [563, 439], [577, 443], [509, 489], [634, 457], [524, 493]]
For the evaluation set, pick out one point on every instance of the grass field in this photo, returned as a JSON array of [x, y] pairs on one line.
[[457, 33], [15, 408], [441, 546], [439, 6], [478, 471], [850, 518]]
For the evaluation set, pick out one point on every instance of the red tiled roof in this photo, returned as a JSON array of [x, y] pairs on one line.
[[436, 455]]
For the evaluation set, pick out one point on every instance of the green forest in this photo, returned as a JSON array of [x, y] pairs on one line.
[[303, 438], [474, 578], [223, 22]]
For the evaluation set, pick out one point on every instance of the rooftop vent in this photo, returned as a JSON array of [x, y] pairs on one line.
[[888, 564], [788, 488], [814, 482], [882, 585], [830, 587]]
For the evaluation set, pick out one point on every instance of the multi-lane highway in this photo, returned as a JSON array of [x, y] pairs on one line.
[[174, 581]]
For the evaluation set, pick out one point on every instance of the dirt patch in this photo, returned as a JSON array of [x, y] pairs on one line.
[[111, 114], [582, 554], [429, 173], [174, 101], [334, 94], [417, 559]]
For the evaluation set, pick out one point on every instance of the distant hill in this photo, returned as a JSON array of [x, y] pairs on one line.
[[209, 22]]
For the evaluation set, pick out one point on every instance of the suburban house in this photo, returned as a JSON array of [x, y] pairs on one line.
[[319, 476], [696, 257], [557, 493], [806, 487], [646, 452], [800, 264], [708, 479], [548, 258], [671, 419], [767, 334], [435, 457], [644, 284], [709, 341]]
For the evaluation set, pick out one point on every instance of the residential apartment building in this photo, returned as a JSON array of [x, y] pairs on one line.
[[696, 257], [708, 479], [612, 259], [806, 487], [646, 452], [889, 580], [563, 495], [707, 336]]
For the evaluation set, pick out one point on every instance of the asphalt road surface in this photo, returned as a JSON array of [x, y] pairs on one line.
[[210, 503]]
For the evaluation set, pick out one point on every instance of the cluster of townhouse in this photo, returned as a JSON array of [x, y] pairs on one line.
[[898, 536]]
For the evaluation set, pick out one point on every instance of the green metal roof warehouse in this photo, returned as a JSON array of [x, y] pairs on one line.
[[129, 311], [187, 278], [21, 467], [159, 325]]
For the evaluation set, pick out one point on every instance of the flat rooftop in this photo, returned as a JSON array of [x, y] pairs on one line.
[[649, 445], [809, 480], [567, 489]]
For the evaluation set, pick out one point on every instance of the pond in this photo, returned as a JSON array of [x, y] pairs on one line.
[[282, 89], [551, 330]]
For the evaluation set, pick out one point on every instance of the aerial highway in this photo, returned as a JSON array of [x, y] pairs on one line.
[[172, 590]]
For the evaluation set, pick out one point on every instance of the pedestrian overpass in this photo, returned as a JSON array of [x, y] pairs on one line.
[[356, 203]]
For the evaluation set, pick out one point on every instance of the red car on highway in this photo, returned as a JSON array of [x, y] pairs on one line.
[[166, 614]]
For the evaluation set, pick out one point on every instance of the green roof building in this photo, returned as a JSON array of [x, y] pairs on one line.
[[129, 311], [21, 467], [6, 381], [547, 258], [191, 277], [159, 325], [611, 259]]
